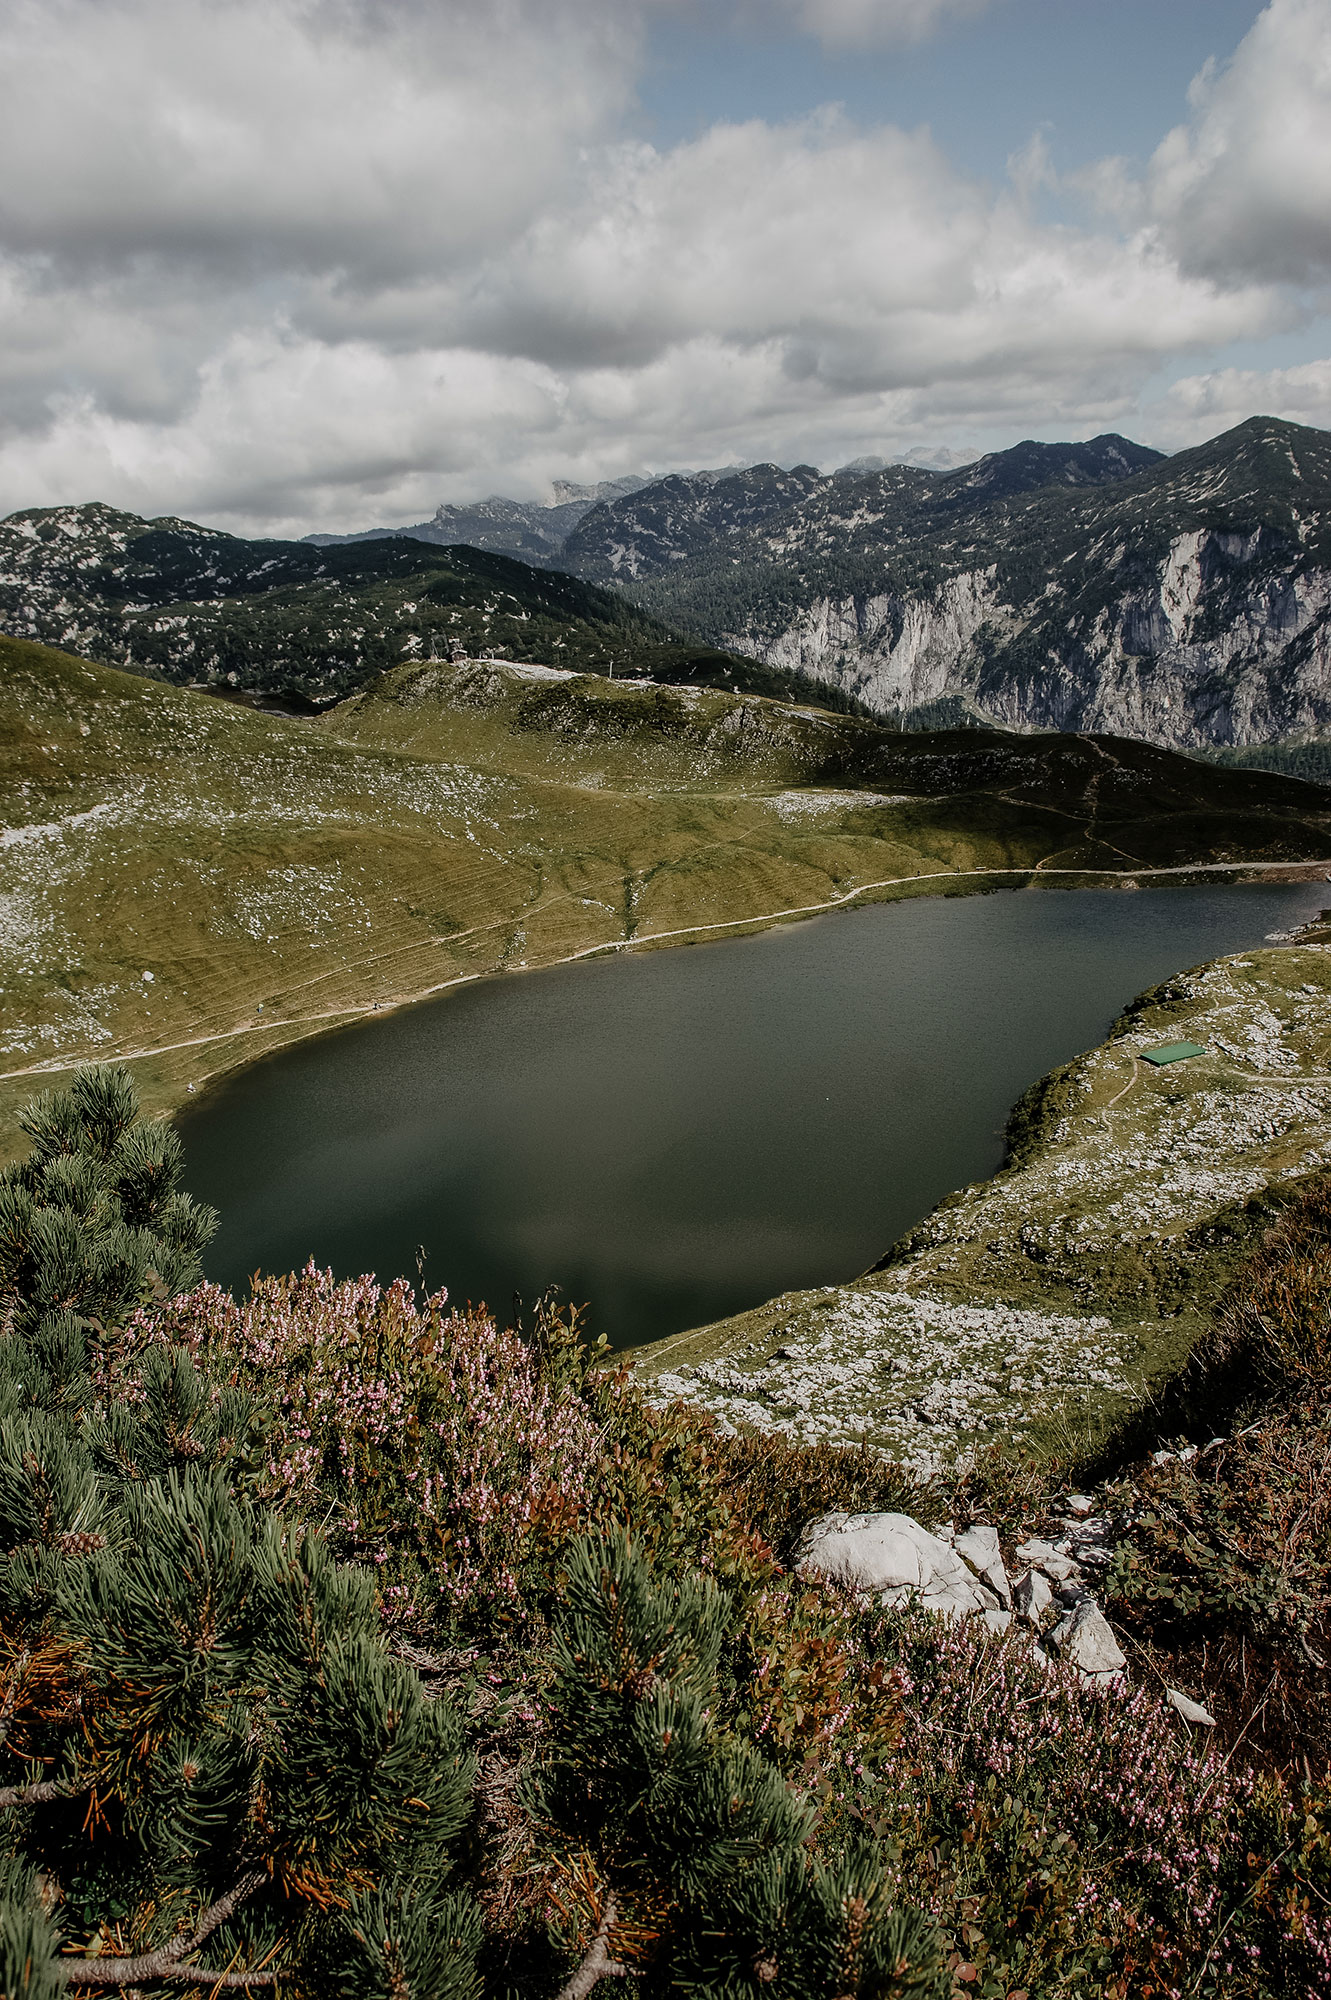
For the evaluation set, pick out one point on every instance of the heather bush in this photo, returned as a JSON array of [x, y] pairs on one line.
[[1223, 1562], [435, 1446], [1074, 1840]]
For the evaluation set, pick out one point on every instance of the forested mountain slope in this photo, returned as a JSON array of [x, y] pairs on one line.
[[187, 604]]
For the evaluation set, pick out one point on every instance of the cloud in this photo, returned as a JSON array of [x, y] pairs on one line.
[[1244, 190], [327, 262], [1203, 405], [863, 23], [374, 138]]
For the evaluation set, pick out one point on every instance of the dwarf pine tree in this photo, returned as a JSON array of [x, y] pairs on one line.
[[689, 1864], [212, 1774], [215, 1775]]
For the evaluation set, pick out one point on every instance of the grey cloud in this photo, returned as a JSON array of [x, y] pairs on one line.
[[257, 135]]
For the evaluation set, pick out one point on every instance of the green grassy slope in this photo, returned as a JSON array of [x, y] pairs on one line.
[[275, 875]]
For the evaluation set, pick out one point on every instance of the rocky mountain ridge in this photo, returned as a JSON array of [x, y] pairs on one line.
[[533, 529], [1186, 600]]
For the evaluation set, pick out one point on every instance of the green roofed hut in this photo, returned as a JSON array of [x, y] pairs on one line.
[[1171, 1052]]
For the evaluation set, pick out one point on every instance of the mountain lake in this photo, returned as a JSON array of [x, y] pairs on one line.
[[675, 1135]]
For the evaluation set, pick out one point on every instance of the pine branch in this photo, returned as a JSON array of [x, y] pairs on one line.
[[598, 1963], [165, 1964]]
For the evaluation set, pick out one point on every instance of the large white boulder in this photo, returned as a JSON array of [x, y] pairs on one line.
[[894, 1558]]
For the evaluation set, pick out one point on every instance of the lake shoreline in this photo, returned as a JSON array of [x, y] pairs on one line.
[[195, 1082]]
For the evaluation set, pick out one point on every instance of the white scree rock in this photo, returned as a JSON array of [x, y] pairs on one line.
[[1085, 1641], [1191, 1711], [892, 1556], [1033, 1597], [980, 1548]]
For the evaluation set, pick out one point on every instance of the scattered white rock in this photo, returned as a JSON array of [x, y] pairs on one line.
[[1080, 1503], [979, 1545], [1033, 1597], [1191, 1711], [892, 1556], [1085, 1641]]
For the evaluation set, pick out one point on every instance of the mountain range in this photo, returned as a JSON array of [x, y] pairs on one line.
[[1182, 600], [1100, 586], [1185, 600]]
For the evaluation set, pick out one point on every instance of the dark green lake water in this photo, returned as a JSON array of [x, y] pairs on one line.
[[681, 1134]]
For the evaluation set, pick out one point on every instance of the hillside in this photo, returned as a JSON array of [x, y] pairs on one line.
[[1040, 1307], [187, 604], [1183, 600], [190, 883]]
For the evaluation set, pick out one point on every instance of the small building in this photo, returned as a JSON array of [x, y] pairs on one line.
[[1171, 1052]]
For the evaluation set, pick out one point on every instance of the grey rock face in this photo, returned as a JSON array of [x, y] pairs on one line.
[[1032, 1597], [979, 1546]]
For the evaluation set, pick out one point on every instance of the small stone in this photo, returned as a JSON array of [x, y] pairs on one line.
[[1080, 1503], [1084, 1640], [1191, 1711], [1060, 1568], [1033, 1597]]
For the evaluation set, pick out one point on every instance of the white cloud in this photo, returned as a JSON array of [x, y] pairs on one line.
[[1244, 190], [326, 262], [1203, 405], [861, 23]]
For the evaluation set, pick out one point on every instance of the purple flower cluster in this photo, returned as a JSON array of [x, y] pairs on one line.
[[407, 1431], [1155, 1838]]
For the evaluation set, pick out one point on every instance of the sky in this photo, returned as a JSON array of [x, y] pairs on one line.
[[283, 265]]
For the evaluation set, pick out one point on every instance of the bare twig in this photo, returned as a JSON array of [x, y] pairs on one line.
[[17, 1670], [165, 1965], [39, 1794], [598, 1963]]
